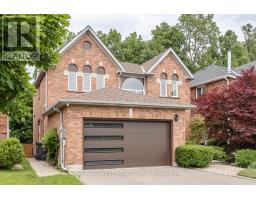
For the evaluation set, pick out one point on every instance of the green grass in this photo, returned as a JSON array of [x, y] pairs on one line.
[[251, 173], [27, 176]]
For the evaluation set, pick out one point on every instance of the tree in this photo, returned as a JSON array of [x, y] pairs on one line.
[[113, 40], [229, 42], [14, 79], [165, 36], [230, 113], [134, 49], [201, 34], [250, 40], [21, 116]]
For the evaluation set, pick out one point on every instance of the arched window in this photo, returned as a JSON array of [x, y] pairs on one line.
[[163, 85], [72, 77], [175, 85], [133, 84], [87, 77], [100, 79]]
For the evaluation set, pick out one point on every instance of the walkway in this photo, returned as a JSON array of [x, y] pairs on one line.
[[222, 168], [42, 168]]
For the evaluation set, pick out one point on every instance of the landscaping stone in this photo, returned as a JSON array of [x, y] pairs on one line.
[[18, 167]]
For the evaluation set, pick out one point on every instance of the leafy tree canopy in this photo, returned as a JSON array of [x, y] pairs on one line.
[[230, 113], [14, 79]]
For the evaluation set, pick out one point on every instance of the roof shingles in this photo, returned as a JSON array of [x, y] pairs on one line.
[[119, 97]]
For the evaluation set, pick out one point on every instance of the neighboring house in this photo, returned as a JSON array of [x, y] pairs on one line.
[[214, 76], [112, 114], [4, 126]]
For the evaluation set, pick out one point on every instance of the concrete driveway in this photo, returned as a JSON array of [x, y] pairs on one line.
[[164, 175]]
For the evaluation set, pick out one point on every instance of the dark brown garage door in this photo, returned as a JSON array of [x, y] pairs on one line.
[[110, 144]]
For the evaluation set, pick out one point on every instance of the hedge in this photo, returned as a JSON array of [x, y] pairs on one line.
[[11, 153], [244, 157], [193, 156]]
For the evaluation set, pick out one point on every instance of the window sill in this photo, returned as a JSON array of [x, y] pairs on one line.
[[74, 91], [168, 97]]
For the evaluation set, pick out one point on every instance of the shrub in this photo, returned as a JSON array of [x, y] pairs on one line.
[[244, 157], [197, 130], [11, 152], [252, 165], [193, 156], [51, 144], [218, 153], [191, 142]]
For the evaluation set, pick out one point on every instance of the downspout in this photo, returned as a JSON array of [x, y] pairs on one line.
[[46, 91], [62, 139]]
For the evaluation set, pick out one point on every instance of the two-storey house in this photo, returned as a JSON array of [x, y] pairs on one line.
[[112, 114]]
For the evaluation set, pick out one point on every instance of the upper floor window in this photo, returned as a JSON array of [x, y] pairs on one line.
[[175, 85], [100, 79], [87, 76], [87, 45], [133, 84], [163, 85], [72, 77], [200, 91]]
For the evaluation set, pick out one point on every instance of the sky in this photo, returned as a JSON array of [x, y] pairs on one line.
[[143, 24]]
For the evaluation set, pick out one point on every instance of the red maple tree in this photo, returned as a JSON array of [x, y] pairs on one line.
[[230, 113]]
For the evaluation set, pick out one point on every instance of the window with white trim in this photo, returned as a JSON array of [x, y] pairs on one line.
[[200, 91], [72, 77], [134, 85], [100, 78], [87, 78], [175, 85], [163, 85]]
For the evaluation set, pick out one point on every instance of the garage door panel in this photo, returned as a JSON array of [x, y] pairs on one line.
[[99, 144], [143, 143], [103, 132], [103, 156]]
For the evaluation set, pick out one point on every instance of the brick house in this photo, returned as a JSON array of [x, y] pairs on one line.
[[215, 76], [112, 114], [4, 126]]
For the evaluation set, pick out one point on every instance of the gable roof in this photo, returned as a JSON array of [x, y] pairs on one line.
[[245, 66], [78, 36], [119, 98], [132, 68], [152, 63], [144, 69], [210, 74]]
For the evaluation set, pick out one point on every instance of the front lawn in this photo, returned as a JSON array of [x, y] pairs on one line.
[[27, 176], [251, 173]]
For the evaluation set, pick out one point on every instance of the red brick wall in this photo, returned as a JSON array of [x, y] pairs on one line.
[[73, 122], [57, 81], [3, 125], [169, 66], [217, 84], [39, 106]]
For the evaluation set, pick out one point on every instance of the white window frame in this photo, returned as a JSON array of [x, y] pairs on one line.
[[134, 90], [201, 89], [90, 82], [177, 88], [69, 81], [104, 80], [161, 82]]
